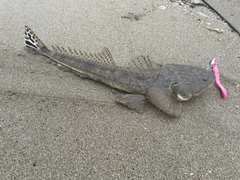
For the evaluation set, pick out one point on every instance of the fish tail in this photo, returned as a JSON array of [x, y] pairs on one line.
[[33, 43]]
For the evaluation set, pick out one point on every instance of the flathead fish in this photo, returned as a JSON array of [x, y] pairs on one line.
[[143, 81]]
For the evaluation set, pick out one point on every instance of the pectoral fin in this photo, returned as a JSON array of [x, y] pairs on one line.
[[133, 101], [165, 101]]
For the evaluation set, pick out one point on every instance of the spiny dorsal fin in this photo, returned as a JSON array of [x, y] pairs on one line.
[[103, 58], [143, 66]]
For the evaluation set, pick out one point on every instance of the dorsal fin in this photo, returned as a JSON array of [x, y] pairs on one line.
[[103, 58], [143, 67]]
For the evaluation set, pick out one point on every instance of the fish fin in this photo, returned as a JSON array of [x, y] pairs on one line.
[[165, 101], [103, 58], [32, 42], [106, 58], [133, 101], [143, 67]]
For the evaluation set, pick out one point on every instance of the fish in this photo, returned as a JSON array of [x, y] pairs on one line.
[[143, 81]]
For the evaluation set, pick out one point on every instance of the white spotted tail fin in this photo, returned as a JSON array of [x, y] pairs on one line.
[[32, 42]]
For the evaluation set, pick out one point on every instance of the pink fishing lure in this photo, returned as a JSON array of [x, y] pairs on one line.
[[216, 73]]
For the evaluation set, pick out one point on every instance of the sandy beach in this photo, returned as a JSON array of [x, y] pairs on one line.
[[56, 125]]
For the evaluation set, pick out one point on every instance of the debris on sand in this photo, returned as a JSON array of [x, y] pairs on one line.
[[215, 29], [162, 7], [133, 17], [193, 3], [238, 87]]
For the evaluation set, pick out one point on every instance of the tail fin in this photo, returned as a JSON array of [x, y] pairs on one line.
[[32, 42]]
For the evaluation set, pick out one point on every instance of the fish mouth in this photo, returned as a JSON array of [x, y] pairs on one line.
[[189, 96], [177, 95], [183, 98]]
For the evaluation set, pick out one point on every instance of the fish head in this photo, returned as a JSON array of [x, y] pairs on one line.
[[191, 81]]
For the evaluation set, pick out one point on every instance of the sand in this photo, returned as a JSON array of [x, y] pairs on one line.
[[55, 125]]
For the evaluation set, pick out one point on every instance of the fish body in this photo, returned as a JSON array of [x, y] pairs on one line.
[[163, 86]]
